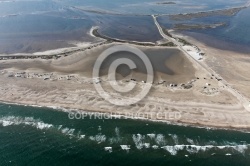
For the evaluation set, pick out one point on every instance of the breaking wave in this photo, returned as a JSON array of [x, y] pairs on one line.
[[38, 124], [160, 139], [139, 141], [175, 138], [173, 150], [117, 137], [153, 141], [98, 138], [30, 121]]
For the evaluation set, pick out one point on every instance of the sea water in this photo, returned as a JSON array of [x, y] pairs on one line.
[[36, 26], [43, 136], [233, 35]]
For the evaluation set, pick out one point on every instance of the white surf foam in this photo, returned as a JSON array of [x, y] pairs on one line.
[[82, 136], [147, 145], [175, 138], [68, 131], [138, 140], [30, 121], [160, 139], [109, 149], [59, 127], [173, 150], [190, 141], [41, 125], [99, 138], [36, 123], [125, 147], [155, 147], [151, 136]]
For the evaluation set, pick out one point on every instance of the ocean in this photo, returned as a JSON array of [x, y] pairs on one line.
[[45, 136]]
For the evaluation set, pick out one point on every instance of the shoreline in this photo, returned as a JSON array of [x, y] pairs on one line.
[[38, 55], [94, 32], [27, 99], [223, 52], [203, 119], [71, 50], [109, 109], [77, 48], [203, 64], [222, 110], [124, 117], [247, 4], [213, 42], [237, 8]]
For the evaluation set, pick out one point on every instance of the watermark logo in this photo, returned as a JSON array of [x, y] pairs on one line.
[[124, 100], [127, 115]]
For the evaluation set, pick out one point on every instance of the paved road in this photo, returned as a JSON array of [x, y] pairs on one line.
[[243, 100]]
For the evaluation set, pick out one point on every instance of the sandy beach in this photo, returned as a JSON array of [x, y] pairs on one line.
[[232, 65], [67, 82]]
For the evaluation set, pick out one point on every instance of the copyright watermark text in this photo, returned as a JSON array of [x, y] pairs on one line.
[[130, 115]]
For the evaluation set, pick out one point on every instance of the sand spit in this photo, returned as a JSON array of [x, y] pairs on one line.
[[94, 32], [63, 52], [223, 12], [165, 3], [197, 26], [53, 54], [67, 82]]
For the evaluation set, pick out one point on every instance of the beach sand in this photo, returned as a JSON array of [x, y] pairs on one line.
[[67, 83], [231, 61]]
